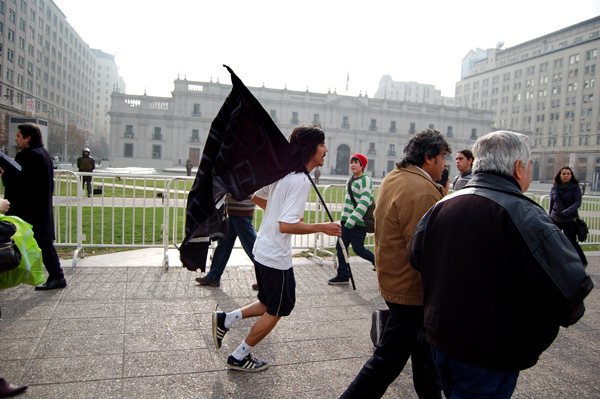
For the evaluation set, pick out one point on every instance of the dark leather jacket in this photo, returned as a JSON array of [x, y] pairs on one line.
[[499, 305]]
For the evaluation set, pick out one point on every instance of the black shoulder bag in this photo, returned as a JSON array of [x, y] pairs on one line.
[[10, 255]]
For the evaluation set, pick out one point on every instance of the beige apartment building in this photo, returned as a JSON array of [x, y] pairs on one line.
[[161, 132], [546, 88]]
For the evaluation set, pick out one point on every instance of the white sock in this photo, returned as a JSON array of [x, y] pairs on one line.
[[242, 351], [233, 317]]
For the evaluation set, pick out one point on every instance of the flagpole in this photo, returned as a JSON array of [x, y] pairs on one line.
[[344, 251]]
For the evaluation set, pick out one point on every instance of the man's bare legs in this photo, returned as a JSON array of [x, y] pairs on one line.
[[263, 326]]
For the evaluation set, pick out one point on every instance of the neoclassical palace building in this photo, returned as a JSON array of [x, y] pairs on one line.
[[162, 132]]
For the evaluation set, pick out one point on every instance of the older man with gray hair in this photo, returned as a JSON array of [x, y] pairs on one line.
[[491, 313]]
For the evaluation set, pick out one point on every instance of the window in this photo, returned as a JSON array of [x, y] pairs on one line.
[[412, 129], [156, 151], [157, 134], [558, 63], [345, 122], [590, 55], [393, 127], [373, 126], [11, 35], [316, 120], [372, 150], [196, 112], [449, 133], [195, 136], [129, 132], [392, 150], [574, 59], [294, 120], [128, 150], [473, 134], [273, 114]]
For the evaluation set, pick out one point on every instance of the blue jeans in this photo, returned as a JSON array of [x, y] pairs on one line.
[[356, 237], [239, 226], [467, 381]]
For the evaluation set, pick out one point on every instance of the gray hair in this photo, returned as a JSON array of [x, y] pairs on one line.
[[498, 151]]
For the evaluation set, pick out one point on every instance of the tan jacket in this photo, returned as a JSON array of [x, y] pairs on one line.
[[406, 194]]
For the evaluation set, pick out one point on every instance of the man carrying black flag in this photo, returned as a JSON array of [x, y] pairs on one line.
[[244, 152], [284, 202]]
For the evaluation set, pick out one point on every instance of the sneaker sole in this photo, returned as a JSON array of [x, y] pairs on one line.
[[214, 330], [239, 368]]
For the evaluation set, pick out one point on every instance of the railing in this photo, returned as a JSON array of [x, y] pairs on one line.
[[589, 211], [173, 226], [126, 211], [142, 211]]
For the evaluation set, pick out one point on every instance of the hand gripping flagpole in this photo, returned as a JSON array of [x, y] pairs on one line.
[[344, 251]]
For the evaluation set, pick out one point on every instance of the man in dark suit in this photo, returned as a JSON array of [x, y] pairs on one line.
[[30, 194]]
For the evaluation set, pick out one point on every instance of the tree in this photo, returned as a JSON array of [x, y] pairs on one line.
[[56, 140], [75, 141], [100, 148], [3, 131]]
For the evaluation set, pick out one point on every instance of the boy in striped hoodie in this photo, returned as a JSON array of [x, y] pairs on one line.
[[353, 226]]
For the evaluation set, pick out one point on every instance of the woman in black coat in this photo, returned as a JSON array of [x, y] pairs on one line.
[[565, 200]]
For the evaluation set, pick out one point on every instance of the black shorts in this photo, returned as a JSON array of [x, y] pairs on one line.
[[276, 289]]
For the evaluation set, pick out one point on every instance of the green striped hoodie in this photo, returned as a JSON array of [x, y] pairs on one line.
[[363, 195]]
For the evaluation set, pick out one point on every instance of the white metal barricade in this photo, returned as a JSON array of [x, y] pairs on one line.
[[145, 211], [589, 211], [174, 221], [124, 211]]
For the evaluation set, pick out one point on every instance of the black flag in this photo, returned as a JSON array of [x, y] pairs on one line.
[[244, 152]]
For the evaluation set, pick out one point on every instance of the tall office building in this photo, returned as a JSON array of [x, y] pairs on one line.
[[46, 68], [107, 80], [546, 88]]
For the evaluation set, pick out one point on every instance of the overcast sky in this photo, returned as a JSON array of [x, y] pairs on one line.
[[314, 44]]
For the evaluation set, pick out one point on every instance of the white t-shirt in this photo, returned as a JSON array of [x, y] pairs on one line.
[[286, 200]]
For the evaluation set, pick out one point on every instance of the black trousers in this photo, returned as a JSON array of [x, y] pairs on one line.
[[570, 230], [51, 261], [398, 343]]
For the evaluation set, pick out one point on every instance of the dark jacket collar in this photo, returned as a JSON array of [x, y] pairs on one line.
[[497, 182]]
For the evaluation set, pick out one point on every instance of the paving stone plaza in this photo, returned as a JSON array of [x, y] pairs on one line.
[[126, 328]]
